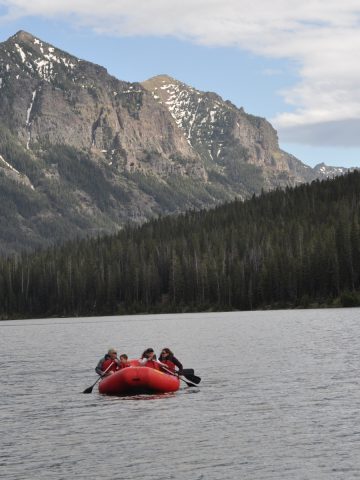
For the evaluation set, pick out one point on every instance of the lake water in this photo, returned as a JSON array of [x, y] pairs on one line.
[[279, 398]]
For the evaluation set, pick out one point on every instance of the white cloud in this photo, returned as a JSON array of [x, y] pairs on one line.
[[321, 37]]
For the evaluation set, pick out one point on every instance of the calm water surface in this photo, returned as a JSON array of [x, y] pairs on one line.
[[279, 398]]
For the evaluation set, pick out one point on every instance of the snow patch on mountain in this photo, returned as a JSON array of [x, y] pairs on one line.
[[39, 57], [2, 159], [194, 112], [180, 103], [15, 174], [21, 52], [28, 122]]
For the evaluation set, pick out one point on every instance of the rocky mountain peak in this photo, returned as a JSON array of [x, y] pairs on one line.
[[324, 171], [26, 55], [22, 36]]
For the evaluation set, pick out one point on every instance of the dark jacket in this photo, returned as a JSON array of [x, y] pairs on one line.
[[171, 363]]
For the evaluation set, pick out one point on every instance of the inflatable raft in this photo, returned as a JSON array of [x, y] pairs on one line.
[[136, 380]]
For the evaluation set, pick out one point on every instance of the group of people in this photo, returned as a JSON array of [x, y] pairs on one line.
[[167, 362]]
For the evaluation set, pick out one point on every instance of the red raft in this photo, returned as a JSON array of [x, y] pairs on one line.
[[138, 380]]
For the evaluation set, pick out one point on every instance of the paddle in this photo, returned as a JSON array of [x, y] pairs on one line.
[[190, 376], [90, 389], [190, 384]]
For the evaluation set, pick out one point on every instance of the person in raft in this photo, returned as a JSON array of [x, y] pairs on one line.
[[169, 361], [109, 360], [123, 361], [148, 359]]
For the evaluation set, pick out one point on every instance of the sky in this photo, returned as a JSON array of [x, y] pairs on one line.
[[294, 63]]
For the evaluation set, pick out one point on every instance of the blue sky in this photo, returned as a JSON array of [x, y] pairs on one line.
[[292, 68]]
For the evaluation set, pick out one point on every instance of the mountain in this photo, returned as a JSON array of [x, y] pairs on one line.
[[324, 171], [83, 153]]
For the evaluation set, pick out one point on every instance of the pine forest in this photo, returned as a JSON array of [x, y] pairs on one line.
[[293, 248]]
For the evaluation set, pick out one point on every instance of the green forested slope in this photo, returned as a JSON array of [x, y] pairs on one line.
[[290, 248]]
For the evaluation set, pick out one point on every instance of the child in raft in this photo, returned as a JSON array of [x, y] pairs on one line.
[[123, 361]]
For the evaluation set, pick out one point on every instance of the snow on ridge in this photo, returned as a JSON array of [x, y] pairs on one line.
[[45, 65], [180, 105], [21, 52], [191, 111], [8, 165], [45, 62]]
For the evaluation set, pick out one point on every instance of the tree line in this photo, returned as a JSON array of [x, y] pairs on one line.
[[297, 247]]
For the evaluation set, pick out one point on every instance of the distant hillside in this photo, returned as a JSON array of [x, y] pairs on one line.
[[292, 248], [83, 153]]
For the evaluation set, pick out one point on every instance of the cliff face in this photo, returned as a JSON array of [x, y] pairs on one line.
[[227, 137], [82, 152]]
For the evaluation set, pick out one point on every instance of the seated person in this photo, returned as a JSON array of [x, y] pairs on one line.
[[169, 361], [148, 359], [108, 364], [123, 361]]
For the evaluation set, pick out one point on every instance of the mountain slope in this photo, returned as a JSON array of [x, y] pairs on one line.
[[83, 153], [285, 248]]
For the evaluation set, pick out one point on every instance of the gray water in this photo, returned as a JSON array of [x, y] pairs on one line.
[[279, 398]]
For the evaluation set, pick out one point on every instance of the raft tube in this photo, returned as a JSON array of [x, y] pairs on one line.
[[138, 380]]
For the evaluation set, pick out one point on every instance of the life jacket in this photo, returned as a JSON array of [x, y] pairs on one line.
[[152, 364], [124, 365], [107, 363], [134, 363], [169, 364]]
